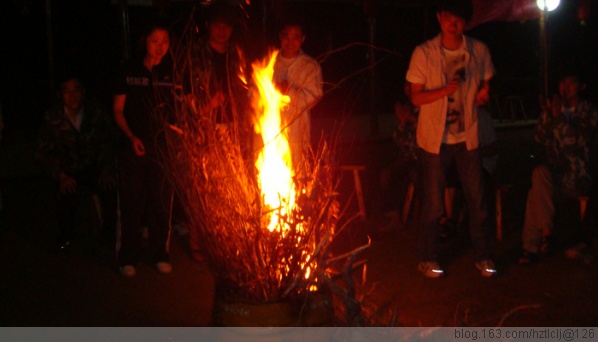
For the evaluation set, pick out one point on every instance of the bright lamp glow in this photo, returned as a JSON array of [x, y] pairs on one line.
[[550, 4]]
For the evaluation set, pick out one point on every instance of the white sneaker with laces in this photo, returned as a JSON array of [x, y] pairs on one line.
[[580, 252], [164, 267], [486, 267], [127, 271], [430, 269]]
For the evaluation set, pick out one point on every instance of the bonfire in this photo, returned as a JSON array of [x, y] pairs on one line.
[[264, 229]]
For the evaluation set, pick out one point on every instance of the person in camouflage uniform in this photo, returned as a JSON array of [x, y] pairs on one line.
[[567, 129], [215, 77], [402, 170], [76, 149], [214, 84]]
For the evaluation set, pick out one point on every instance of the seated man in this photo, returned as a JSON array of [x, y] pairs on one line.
[[402, 170], [76, 150], [567, 129]]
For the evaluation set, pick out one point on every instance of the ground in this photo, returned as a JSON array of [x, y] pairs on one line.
[[42, 288]]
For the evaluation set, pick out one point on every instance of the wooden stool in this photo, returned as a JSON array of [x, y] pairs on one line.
[[357, 183]]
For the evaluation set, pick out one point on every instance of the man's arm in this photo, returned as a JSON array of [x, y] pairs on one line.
[[419, 96], [306, 89], [483, 95]]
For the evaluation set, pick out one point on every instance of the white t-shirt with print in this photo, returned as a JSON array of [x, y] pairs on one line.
[[454, 131]]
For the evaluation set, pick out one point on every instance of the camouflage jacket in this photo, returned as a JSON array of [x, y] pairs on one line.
[[201, 79], [404, 139], [62, 148], [570, 143]]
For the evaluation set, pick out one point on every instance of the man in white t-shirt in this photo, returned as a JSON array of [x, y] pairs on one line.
[[449, 77], [298, 76]]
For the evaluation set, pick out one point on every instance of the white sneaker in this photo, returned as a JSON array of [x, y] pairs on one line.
[[580, 252], [181, 228], [430, 269], [164, 267], [486, 267], [127, 271]]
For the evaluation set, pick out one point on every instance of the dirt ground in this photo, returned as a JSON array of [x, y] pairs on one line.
[[42, 288]]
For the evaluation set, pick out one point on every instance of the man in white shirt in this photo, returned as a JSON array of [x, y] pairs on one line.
[[298, 76], [449, 77]]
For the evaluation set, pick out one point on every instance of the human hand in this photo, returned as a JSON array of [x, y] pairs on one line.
[[282, 86], [482, 96], [404, 113], [451, 87], [138, 146], [68, 185]]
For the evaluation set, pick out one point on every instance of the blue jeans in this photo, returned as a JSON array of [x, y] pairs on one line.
[[434, 168]]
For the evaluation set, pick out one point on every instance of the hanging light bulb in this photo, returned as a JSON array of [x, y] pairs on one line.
[[549, 5]]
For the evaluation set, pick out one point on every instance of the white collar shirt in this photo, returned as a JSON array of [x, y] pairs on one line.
[[428, 67]]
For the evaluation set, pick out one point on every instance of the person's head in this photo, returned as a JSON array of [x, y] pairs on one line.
[[291, 38], [71, 93], [404, 113], [570, 87], [156, 42], [221, 21], [453, 16]]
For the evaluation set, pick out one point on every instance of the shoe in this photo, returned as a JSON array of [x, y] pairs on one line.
[[164, 267], [181, 229], [127, 271], [486, 267], [580, 252], [430, 269], [528, 257]]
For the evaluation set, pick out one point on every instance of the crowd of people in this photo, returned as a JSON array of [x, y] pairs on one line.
[[444, 136], [86, 150], [446, 119]]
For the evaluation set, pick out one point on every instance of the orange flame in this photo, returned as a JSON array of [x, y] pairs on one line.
[[274, 161]]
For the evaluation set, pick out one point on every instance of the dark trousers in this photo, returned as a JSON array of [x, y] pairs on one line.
[[434, 169], [145, 200], [71, 206]]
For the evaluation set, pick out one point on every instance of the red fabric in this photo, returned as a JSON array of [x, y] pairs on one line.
[[503, 10]]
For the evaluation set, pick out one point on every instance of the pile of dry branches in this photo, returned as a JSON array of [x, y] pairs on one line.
[[221, 198], [211, 167]]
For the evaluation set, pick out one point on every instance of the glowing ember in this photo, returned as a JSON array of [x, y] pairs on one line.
[[274, 161]]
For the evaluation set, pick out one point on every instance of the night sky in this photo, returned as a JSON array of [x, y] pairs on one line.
[[87, 38]]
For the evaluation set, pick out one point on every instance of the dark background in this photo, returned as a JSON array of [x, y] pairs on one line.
[[87, 37]]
